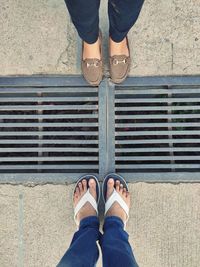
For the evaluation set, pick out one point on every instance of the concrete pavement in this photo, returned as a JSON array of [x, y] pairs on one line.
[[37, 224], [37, 37]]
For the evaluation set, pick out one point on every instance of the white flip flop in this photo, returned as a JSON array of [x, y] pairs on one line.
[[87, 197], [115, 196]]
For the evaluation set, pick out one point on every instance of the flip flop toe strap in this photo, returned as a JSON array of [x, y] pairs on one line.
[[116, 197], [87, 197]]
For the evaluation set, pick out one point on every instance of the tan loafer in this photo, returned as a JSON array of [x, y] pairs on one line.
[[120, 66], [92, 68]]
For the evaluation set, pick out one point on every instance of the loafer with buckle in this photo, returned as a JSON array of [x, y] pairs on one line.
[[92, 68], [120, 66]]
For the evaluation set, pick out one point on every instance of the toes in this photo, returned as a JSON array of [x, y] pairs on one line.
[[117, 185], [92, 183], [110, 187], [121, 188], [92, 186], [80, 187], [128, 195], [110, 182], [76, 194], [124, 192], [84, 184], [77, 191]]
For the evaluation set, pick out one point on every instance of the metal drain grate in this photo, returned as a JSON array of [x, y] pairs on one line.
[[55, 129], [48, 128], [158, 130]]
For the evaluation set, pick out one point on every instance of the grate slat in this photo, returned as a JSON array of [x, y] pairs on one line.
[[158, 100], [49, 133], [157, 91], [157, 116], [157, 124], [47, 99], [46, 107], [49, 116], [158, 166], [52, 124], [157, 141], [69, 158], [71, 116], [156, 158], [50, 141], [19, 90], [50, 167], [157, 149], [157, 108], [159, 133], [49, 149]]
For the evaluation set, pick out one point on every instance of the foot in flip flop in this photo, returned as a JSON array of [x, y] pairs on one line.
[[81, 189], [116, 209]]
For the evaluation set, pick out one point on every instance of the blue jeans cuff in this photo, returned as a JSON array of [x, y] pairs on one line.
[[90, 221], [113, 221]]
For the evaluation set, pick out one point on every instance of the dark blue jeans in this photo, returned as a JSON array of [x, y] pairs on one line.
[[85, 17], [83, 251]]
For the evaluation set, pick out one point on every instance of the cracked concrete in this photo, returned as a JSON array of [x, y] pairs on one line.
[[65, 61]]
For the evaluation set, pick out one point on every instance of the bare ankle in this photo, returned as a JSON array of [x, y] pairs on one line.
[[91, 50]]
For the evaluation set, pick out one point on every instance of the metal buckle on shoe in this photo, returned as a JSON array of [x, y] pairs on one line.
[[95, 64], [117, 61]]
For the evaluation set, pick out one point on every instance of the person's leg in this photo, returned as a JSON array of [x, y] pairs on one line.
[[85, 17], [115, 246], [83, 251], [122, 16]]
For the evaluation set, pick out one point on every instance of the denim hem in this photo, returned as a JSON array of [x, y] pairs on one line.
[[117, 37], [90, 221], [89, 38], [113, 219]]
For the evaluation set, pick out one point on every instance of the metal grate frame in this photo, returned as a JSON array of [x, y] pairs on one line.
[[57, 128]]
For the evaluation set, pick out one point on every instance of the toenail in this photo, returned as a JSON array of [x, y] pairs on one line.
[[92, 181], [110, 181]]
